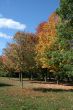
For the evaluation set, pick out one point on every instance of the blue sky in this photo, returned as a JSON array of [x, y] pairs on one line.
[[23, 15]]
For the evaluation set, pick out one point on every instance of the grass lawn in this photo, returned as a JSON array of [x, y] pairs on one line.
[[34, 96]]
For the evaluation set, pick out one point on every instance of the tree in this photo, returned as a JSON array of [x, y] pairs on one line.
[[2, 71], [20, 55], [65, 32], [9, 59], [46, 33], [60, 55], [26, 43]]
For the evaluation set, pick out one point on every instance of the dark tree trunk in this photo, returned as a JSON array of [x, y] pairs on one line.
[[45, 74], [57, 78], [57, 81], [45, 77], [31, 76], [20, 77], [21, 80]]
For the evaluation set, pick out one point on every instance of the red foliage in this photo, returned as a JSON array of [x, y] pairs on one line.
[[3, 58]]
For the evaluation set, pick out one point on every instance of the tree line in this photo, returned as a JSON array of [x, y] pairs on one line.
[[45, 54]]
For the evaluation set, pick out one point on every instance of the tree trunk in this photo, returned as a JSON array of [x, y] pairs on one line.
[[45, 79], [57, 78], [20, 77], [22, 80], [45, 71], [57, 81], [68, 79], [31, 76]]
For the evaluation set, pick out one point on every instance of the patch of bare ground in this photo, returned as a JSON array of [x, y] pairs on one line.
[[53, 85], [38, 89], [56, 86], [33, 88]]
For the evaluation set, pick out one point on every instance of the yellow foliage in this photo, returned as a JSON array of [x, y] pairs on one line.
[[46, 37]]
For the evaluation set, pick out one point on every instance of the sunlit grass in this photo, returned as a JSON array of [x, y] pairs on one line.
[[12, 97]]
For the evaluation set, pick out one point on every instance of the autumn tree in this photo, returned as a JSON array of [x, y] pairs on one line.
[[20, 55], [9, 58], [2, 71], [46, 33], [26, 43]]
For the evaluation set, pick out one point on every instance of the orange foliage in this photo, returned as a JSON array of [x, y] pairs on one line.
[[46, 33], [3, 58]]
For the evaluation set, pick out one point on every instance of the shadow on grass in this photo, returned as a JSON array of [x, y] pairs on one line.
[[45, 90], [42, 82], [4, 85]]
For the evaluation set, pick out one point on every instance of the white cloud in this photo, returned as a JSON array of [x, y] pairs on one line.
[[11, 24], [3, 35]]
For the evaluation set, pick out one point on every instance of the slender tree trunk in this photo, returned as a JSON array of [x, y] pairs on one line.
[[45, 77], [57, 78], [20, 77], [57, 81], [22, 80], [45, 71], [68, 79], [31, 76]]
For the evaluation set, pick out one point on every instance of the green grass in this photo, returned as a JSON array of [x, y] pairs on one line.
[[12, 97]]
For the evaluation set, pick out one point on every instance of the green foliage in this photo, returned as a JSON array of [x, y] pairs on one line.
[[3, 74], [60, 55], [66, 10], [60, 62], [66, 14], [65, 35]]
